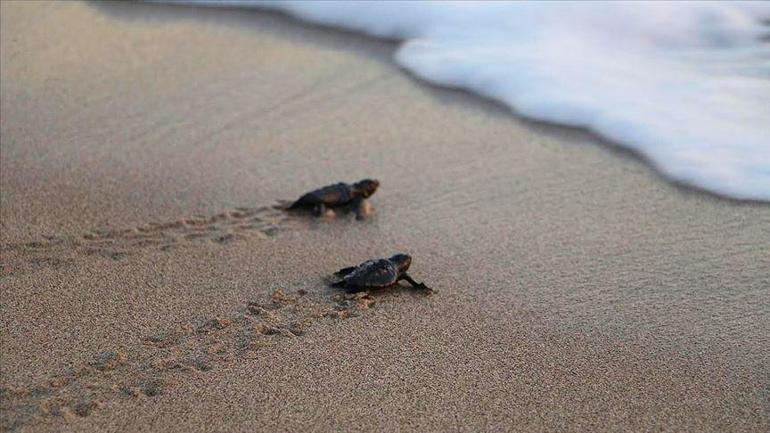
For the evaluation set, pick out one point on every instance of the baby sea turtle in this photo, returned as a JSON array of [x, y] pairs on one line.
[[377, 273], [352, 196]]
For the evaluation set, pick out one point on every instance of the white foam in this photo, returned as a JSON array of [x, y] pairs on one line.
[[685, 84]]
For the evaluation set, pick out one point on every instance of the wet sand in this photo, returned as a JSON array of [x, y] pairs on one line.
[[147, 285]]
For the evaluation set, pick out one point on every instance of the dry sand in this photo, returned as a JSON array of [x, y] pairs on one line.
[[579, 291]]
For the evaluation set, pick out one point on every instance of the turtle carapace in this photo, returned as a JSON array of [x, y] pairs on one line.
[[339, 195], [377, 273]]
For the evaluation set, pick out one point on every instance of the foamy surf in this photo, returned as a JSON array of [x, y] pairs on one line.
[[686, 85]]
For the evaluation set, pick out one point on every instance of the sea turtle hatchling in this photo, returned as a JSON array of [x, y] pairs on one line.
[[352, 196], [377, 273]]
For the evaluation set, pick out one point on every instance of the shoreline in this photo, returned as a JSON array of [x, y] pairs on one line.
[[551, 128]]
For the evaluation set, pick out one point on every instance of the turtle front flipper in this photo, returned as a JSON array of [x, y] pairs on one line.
[[414, 283], [361, 208]]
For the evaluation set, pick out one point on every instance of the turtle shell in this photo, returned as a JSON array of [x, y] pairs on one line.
[[373, 273], [331, 195]]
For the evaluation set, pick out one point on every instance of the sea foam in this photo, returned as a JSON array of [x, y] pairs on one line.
[[686, 85]]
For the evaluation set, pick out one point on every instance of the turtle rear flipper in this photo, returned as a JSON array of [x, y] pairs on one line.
[[343, 284], [285, 205], [307, 201], [304, 202], [345, 271]]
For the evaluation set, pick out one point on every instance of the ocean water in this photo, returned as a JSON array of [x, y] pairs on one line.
[[685, 84]]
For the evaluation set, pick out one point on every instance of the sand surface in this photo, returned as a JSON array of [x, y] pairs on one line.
[[147, 285]]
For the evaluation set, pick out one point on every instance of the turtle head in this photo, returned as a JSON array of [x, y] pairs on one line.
[[366, 187], [402, 262]]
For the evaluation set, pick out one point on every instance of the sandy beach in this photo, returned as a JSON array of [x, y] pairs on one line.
[[148, 284]]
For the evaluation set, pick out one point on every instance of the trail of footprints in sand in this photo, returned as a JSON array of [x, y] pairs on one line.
[[223, 228], [154, 365]]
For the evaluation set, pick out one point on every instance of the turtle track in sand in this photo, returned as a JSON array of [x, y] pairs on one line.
[[150, 367], [116, 244]]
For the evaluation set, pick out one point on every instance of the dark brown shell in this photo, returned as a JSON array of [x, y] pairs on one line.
[[372, 273], [331, 195]]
